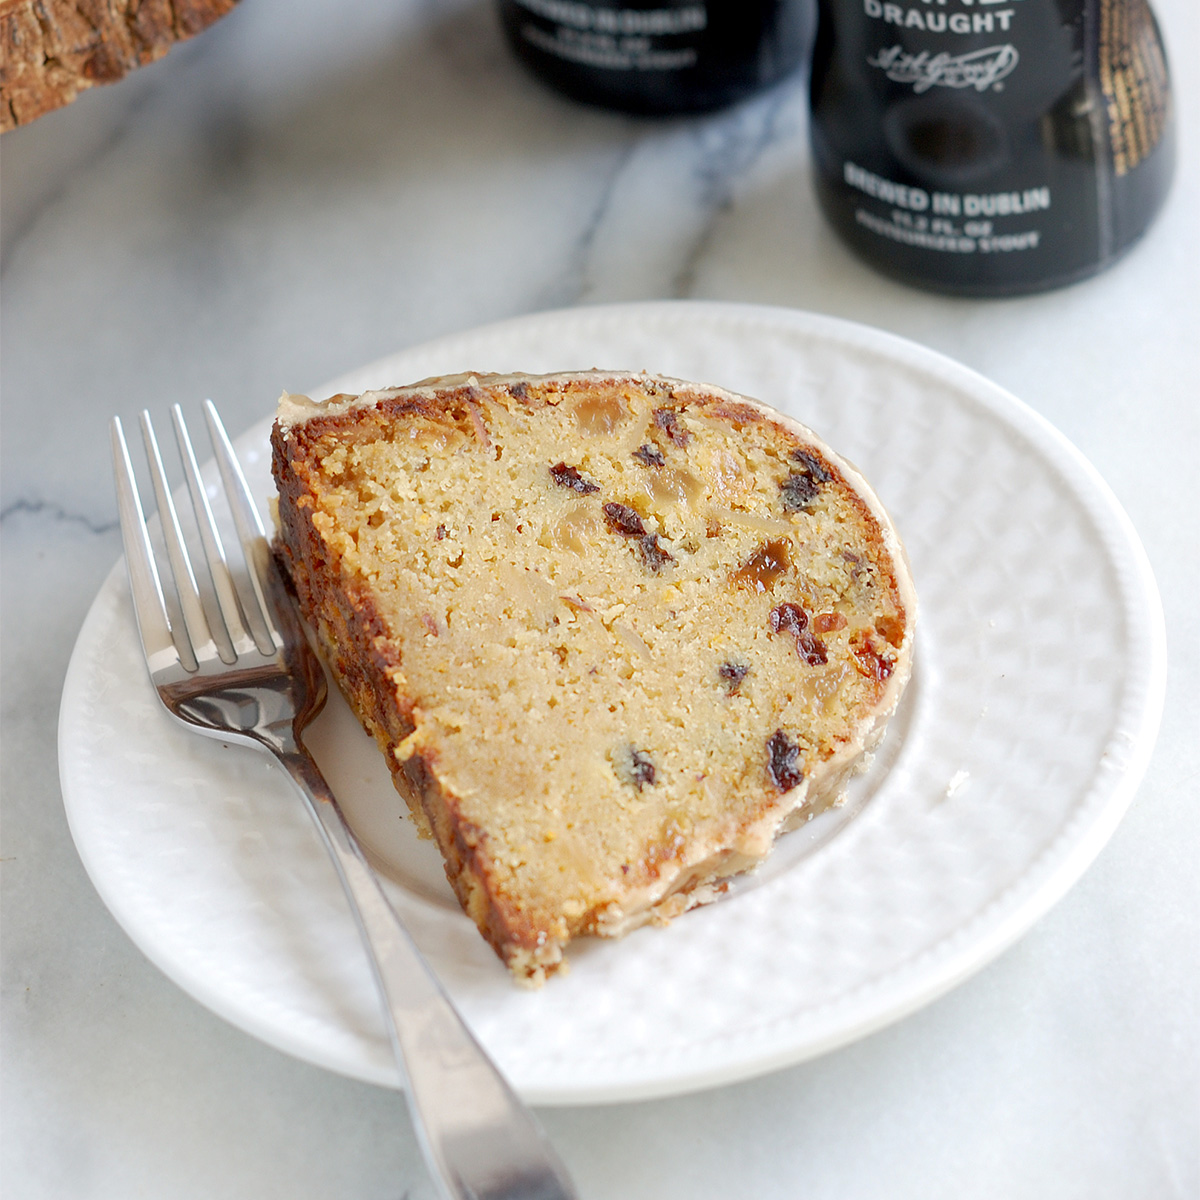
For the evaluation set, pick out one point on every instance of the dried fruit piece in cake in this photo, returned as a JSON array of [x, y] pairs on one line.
[[614, 633]]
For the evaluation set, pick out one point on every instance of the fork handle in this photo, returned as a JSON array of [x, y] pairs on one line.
[[479, 1139]]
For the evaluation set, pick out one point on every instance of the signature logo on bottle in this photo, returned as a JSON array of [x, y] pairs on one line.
[[980, 69]]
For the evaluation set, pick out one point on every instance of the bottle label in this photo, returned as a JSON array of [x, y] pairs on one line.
[[615, 39], [973, 21], [951, 222], [982, 145], [978, 69], [1132, 73], [956, 76]]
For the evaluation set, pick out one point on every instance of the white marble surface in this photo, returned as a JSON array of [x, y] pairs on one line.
[[307, 187]]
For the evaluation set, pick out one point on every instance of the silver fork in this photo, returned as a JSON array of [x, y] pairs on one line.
[[249, 676]]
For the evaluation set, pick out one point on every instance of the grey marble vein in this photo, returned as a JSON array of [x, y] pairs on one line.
[[41, 509], [728, 152]]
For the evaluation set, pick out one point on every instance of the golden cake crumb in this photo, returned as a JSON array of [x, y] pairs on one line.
[[613, 632]]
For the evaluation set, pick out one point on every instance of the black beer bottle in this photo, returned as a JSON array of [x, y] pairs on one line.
[[658, 56], [990, 147]]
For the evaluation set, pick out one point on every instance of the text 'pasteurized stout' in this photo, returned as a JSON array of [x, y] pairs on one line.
[[990, 147], [659, 56]]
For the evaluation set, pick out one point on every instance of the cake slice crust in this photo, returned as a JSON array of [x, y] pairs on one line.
[[613, 632]]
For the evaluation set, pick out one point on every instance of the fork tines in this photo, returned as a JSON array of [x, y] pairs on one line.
[[233, 624]]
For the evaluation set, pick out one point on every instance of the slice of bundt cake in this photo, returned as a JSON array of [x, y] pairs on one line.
[[613, 632]]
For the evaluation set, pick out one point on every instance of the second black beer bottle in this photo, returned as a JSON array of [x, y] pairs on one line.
[[990, 147]]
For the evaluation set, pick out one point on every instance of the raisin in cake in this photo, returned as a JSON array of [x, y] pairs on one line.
[[613, 632]]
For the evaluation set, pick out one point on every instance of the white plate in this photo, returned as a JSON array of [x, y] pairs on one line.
[[1031, 715]]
